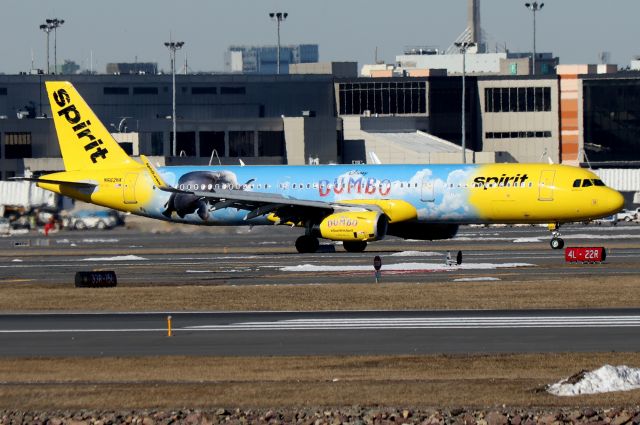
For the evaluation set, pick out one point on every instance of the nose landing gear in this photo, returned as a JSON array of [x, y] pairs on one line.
[[556, 241]]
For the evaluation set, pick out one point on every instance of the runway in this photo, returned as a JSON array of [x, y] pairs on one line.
[[265, 256], [320, 333], [240, 256]]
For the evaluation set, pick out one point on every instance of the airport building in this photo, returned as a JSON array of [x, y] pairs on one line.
[[264, 59], [574, 117]]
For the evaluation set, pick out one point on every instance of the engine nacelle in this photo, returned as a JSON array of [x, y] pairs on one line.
[[354, 226], [422, 231]]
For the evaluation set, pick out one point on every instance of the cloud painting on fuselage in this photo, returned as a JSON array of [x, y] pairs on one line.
[[355, 204]]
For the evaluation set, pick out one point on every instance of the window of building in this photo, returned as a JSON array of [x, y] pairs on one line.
[[517, 99], [157, 143], [186, 145], [204, 90], [145, 90], [241, 143], [3, 91], [271, 143], [17, 145], [517, 134], [233, 90], [116, 90], [384, 98], [210, 140]]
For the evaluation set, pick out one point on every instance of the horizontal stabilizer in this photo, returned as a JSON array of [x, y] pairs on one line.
[[83, 185]]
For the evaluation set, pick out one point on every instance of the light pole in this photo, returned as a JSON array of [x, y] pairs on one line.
[[534, 7], [47, 29], [54, 24], [173, 46], [463, 46], [278, 17]]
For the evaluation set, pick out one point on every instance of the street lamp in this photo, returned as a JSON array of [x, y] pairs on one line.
[[278, 17], [173, 46], [54, 24], [47, 29], [534, 7], [463, 46]]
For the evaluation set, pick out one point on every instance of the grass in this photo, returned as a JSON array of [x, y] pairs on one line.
[[565, 292], [424, 381], [438, 381]]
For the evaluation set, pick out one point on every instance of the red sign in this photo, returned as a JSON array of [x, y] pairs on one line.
[[575, 254]]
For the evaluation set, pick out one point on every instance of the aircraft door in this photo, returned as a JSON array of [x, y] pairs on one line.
[[129, 188], [546, 185], [427, 191]]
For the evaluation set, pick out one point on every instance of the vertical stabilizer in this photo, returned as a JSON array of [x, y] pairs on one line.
[[84, 141]]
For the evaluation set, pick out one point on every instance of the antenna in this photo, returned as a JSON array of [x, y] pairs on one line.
[[604, 57]]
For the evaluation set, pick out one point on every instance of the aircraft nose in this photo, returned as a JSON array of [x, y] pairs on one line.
[[614, 201]]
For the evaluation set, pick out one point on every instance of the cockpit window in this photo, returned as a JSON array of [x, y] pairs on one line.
[[598, 182], [576, 183], [586, 183]]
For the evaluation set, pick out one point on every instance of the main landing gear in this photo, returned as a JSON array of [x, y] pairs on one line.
[[307, 244], [354, 246], [556, 241]]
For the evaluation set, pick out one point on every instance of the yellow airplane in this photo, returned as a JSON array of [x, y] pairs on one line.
[[354, 204]]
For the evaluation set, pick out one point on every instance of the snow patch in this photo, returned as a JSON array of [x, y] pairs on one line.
[[475, 279], [116, 258], [402, 267], [527, 240], [198, 271], [416, 254], [16, 260], [606, 379], [97, 240]]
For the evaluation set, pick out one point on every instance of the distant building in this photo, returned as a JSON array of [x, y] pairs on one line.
[[263, 59], [501, 63], [125, 68]]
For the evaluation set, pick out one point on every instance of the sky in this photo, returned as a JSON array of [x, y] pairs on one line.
[[347, 30]]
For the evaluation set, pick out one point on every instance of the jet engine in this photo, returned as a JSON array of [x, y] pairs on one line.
[[422, 231], [354, 226]]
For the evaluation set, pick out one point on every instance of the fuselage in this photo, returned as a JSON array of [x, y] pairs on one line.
[[460, 194]]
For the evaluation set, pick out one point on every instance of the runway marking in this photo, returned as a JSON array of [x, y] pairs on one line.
[[497, 322], [431, 323]]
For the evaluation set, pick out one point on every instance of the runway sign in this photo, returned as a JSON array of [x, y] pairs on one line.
[[98, 279], [576, 254]]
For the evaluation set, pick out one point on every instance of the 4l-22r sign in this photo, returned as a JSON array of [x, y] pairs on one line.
[[585, 254]]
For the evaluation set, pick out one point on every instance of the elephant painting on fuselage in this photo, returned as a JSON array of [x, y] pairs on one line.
[[184, 204]]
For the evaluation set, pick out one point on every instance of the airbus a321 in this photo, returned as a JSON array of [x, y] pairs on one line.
[[354, 204]]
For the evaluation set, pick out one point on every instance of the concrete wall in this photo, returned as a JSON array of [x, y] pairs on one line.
[[522, 149], [311, 137]]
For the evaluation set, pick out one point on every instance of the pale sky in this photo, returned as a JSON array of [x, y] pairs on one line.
[[347, 30]]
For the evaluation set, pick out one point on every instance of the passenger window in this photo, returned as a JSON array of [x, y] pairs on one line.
[[586, 183], [576, 183]]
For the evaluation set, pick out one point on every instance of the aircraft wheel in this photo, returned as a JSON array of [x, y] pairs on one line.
[[556, 243], [354, 246], [307, 244]]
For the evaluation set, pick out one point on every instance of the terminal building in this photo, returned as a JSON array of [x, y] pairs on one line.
[[576, 117]]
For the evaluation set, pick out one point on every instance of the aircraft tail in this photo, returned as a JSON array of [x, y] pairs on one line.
[[84, 141]]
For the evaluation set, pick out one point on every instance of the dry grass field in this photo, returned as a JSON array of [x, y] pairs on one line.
[[426, 381]]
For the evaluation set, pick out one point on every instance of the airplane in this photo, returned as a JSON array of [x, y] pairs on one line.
[[354, 204]]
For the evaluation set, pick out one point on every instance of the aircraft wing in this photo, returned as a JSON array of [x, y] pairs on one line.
[[288, 210]]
